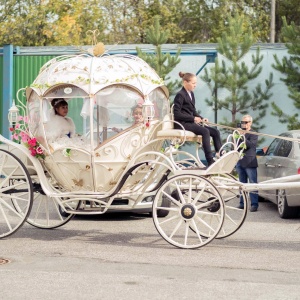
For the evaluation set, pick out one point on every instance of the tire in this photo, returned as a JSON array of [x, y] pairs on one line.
[[161, 213], [16, 193], [195, 211], [285, 211]]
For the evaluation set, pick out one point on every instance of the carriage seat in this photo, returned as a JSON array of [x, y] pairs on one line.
[[65, 142], [224, 165], [168, 132]]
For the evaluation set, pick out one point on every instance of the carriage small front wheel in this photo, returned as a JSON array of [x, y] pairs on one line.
[[195, 211]]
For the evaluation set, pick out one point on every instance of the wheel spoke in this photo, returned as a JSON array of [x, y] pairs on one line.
[[171, 198], [180, 193], [167, 208], [169, 219], [205, 223], [199, 194], [190, 191], [11, 209], [205, 204], [197, 231], [187, 227], [5, 218], [176, 228]]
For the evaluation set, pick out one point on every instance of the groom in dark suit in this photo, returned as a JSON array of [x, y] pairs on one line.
[[185, 113]]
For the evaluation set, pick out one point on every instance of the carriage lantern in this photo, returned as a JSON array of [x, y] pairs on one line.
[[148, 110], [13, 114]]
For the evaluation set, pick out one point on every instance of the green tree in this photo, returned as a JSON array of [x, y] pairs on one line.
[[288, 10], [258, 13], [162, 63], [232, 75], [290, 68], [52, 22], [23, 23]]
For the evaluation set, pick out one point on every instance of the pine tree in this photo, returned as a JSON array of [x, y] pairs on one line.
[[162, 63], [232, 75], [290, 67]]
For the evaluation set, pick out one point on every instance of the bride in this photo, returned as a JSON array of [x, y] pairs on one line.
[[59, 125]]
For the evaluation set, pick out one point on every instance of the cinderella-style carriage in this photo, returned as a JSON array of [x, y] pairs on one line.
[[113, 164]]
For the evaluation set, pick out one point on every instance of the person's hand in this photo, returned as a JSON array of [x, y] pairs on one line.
[[197, 120], [117, 130], [205, 120]]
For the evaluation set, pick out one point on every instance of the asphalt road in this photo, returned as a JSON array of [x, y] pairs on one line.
[[121, 256]]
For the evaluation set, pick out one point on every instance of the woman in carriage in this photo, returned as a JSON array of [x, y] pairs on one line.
[[59, 125]]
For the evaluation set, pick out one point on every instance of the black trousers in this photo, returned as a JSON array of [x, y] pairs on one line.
[[206, 132]]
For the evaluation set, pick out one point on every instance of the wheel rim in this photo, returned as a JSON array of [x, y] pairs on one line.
[[234, 216], [16, 193], [196, 211]]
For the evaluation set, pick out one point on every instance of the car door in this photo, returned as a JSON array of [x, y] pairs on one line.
[[263, 161], [278, 163]]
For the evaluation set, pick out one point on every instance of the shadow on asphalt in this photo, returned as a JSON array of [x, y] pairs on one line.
[[267, 213], [112, 216]]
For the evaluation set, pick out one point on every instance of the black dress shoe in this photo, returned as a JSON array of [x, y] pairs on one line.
[[241, 206], [210, 162], [253, 208]]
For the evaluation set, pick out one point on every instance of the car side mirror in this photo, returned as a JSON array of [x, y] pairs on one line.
[[260, 152]]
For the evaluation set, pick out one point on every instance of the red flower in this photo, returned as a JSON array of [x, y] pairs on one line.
[[147, 124], [32, 142], [11, 129], [33, 152]]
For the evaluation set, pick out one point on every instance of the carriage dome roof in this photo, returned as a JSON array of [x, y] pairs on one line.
[[92, 74]]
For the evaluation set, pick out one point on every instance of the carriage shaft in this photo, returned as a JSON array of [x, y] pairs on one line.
[[288, 182]]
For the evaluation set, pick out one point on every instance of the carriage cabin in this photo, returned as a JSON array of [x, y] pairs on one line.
[[114, 101]]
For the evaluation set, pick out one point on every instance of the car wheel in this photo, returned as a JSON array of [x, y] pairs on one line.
[[285, 211], [165, 203]]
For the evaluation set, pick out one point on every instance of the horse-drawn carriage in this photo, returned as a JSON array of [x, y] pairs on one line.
[[112, 164]]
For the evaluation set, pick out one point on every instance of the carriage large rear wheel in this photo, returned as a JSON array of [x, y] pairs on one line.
[[196, 211], [16, 193]]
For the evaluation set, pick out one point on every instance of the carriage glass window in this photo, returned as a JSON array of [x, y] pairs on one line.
[[34, 117], [161, 104], [75, 98], [116, 109]]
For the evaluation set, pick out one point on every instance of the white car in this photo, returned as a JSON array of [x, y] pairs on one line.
[[282, 158]]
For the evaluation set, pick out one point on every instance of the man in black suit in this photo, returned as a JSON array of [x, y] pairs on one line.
[[185, 114], [247, 166]]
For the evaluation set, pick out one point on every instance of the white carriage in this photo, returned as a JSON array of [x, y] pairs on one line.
[[47, 182]]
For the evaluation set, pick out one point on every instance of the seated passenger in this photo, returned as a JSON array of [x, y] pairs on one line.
[[59, 125], [137, 115]]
